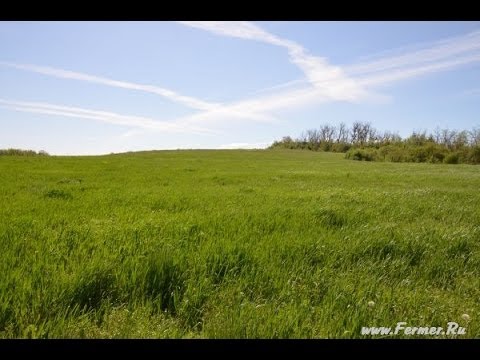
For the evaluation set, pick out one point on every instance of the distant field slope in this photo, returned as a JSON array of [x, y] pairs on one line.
[[235, 244]]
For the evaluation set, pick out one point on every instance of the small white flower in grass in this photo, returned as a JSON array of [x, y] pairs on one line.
[[466, 317], [371, 304]]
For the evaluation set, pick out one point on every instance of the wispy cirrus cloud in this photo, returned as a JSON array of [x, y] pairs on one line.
[[442, 55], [328, 79], [357, 82], [323, 81], [338, 82], [73, 75], [103, 116], [428, 53], [214, 109], [386, 77]]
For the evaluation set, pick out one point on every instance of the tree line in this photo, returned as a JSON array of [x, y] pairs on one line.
[[21, 152], [362, 141]]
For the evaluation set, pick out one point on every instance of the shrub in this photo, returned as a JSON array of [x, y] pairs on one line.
[[452, 158], [362, 154], [474, 155], [437, 157], [353, 154], [397, 156], [418, 154], [340, 147], [364, 143]]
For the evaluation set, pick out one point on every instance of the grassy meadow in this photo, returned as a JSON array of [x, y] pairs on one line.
[[235, 244]]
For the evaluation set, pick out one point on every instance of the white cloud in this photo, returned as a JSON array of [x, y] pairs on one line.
[[350, 82], [103, 116], [327, 79], [323, 81], [238, 29], [330, 83], [215, 110], [72, 75], [437, 51], [386, 77]]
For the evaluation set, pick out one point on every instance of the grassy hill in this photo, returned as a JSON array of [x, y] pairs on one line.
[[235, 243]]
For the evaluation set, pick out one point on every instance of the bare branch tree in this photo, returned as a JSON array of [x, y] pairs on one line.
[[447, 137], [355, 132], [475, 137], [327, 133], [461, 139], [342, 133]]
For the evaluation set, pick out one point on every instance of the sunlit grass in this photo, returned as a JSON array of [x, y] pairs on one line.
[[236, 244]]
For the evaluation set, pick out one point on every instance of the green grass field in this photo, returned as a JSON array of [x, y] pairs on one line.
[[235, 244]]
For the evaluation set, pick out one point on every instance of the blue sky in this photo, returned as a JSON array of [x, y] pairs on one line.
[[101, 87]]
